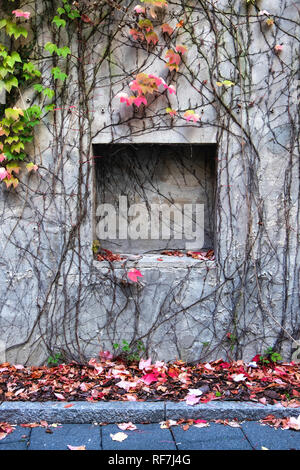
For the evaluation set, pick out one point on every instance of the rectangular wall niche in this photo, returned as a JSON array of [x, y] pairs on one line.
[[153, 197]]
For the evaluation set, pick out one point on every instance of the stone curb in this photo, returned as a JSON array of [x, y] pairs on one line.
[[16, 412]]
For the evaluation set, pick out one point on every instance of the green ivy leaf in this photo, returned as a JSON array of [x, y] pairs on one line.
[[2, 23], [26, 139], [17, 147], [58, 74], [59, 21], [3, 71], [30, 68], [11, 82], [38, 87], [32, 123], [11, 139], [12, 29], [17, 127], [34, 111], [13, 113], [3, 54], [48, 92], [74, 14], [13, 166], [61, 11], [63, 51], [10, 156], [10, 60], [49, 107], [50, 47]]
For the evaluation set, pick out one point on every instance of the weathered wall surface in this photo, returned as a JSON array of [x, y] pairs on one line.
[[56, 297]]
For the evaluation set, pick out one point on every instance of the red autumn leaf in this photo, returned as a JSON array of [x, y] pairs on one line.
[[137, 35], [151, 37], [86, 19], [148, 379], [133, 275], [181, 49], [166, 28]]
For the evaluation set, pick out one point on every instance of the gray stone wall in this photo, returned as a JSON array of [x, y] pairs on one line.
[[55, 297]]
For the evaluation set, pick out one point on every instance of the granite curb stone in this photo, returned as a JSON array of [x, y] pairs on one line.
[[17, 412], [81, 412], [227, 410]]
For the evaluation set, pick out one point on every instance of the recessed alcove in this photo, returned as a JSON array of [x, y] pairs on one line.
[[154, 197]]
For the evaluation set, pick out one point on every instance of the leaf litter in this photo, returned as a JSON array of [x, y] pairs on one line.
[[107, 378]]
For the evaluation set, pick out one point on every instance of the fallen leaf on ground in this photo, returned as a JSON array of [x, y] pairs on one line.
[[201, 425], [195, 391], [167, 424], [76, 447], [119, 436], [127, 426], [239, 377], [294, 423], [192, 399], [5, 429]]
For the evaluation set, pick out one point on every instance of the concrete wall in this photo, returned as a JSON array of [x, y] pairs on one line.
[[56, 297]]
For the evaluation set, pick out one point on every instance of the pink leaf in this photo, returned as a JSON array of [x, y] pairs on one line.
[[31, 166], [59, 396], [131, 397], [158, 80], [124, 98], [144, 363], [190, 115], [172, 113], [166, 28], [172, 57], [134, 274], [139, 100], [181, 49], [192, 399], [21, 14], [140, 9], [126, 385], [104, 355], [96, 365], [127, 426], [149, 378], [83, 387], [3, 173], [76, 447]]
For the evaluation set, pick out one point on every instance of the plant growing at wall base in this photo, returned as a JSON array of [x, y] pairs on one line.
[[55, 359], [130, 352], [270, 356]]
